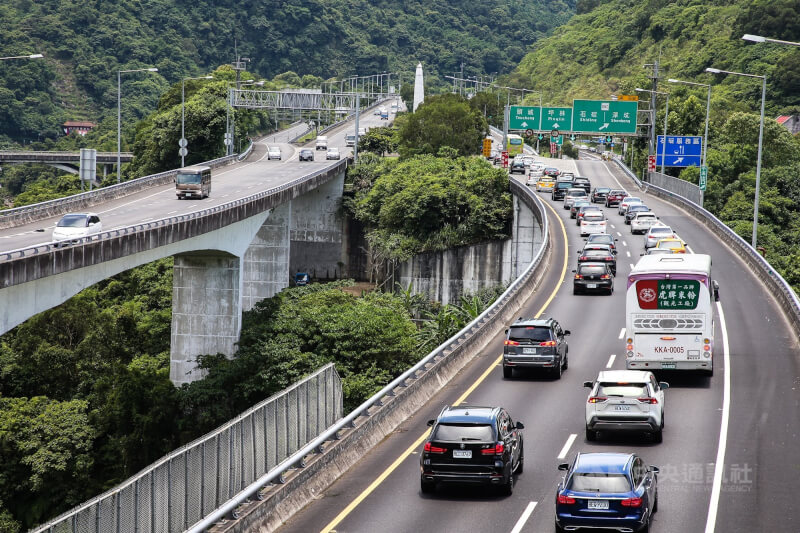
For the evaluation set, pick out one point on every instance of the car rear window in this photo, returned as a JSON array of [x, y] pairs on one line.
[[534, 333], [670, 244], [462, 432], [592, 216], [660, 231], [599, 482], [591, 270], [625, 390]]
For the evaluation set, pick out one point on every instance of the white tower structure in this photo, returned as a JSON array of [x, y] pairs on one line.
[[419, 89]]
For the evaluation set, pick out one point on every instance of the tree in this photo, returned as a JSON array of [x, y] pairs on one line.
[[380, 141], [445, 120]]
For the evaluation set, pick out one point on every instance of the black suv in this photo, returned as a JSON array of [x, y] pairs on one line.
[[535, 343], [583, 183], [518, 166], [472, 444]]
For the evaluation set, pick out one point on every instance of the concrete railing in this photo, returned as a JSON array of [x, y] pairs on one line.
[[183, 486], [31, 213], [780, 289], [380, 414]]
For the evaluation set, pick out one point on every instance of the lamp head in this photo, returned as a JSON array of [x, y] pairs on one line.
[[713, 70], [753, 38], [153, 69], [35, 56]]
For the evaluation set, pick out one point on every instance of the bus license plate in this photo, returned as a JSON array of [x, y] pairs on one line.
[[598, 504], [669, 366], [462, 454], [529, 351]]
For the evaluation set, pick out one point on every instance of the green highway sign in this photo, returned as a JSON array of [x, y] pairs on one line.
[[524, 117], [557, 140], [556, 118], [703, 177], [604, 116]]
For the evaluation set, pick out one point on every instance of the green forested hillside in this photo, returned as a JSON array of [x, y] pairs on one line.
[[602, 50], [86, 42]]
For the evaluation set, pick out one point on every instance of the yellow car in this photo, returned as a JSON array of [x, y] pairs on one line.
[[545, 183], [676, 245]]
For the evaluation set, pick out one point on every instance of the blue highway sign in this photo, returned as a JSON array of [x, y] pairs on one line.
[[681, 151]]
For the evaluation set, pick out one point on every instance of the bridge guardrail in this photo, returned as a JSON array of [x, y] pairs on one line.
[[31, 213], [782, 291], [405, 393], [180, 488]]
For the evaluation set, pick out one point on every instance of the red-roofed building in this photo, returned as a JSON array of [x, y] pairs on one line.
[[790, 122], [79, 127]]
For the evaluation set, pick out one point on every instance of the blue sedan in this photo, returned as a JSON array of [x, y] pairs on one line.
[[617, 491]]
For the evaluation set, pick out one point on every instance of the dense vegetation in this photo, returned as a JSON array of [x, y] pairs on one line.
[[601, 52], [86, 43]]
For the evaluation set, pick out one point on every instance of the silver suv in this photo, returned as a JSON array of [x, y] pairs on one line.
[[623, 400], [535, 344], [574, 194]]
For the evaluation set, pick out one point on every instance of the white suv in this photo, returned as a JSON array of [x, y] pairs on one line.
[[623, 400], [273, 152]]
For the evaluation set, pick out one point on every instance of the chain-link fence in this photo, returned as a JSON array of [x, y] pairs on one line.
[[191, 482]]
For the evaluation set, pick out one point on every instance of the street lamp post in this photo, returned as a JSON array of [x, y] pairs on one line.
[[760, 39], [183, 115], [666, 118], [119, 114], [760, 140], [29, 56]]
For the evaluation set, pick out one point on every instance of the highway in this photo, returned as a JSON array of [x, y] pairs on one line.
[[228, 183], [761, 462]]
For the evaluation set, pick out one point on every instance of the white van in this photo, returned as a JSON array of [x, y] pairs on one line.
[[322, 142]]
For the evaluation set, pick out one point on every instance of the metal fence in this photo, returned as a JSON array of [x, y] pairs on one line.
[[683, 188], [191, 482]]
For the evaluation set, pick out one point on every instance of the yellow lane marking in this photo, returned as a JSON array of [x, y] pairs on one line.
[[417, 443]]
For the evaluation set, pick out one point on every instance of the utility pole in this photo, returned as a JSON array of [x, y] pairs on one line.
[[651, 149]]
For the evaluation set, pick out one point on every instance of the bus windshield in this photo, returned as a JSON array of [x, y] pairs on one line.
[[189, 178]]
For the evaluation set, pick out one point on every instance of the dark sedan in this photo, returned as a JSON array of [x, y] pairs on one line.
[[599, 194], [552, 172], [583, 210], [306, 154], [573, 211], [593, 277], [633, 210], [599, 253]]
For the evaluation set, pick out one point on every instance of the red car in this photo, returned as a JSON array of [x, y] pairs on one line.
[[614, 197]]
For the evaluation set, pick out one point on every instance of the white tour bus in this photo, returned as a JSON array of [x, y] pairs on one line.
[[669, 313]]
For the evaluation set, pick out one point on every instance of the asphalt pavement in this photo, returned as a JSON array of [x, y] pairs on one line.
[[381, 492]]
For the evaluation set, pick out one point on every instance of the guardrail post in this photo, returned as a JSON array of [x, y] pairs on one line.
[[169, 493], [136, 506], [203, 478], [97, 519], [186, 490]]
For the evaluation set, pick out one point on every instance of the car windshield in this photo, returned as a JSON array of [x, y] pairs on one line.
[[579, 192], [632, 200], [660, 231], [73, 221], [534, 333], [601, 239], [188, 178], [624, 390], [462, 432], [599, 482]]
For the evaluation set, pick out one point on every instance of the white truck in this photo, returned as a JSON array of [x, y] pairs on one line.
[[322, 142]]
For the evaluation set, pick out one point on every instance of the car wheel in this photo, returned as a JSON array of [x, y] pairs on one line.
[[508, 372], [566, 360], [521, 462], [658, 436], [427, 487], [507, 488], [557, 370], [591, 435], [611, 290], [655, 502], [575, 291], [559, 529]]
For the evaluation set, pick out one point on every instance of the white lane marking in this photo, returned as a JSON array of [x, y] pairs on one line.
[[689, 249], [719, 466], [172, 212], [627, 252], [605, 165], [567, 446], [621, 333], [524, 518], [613, 226], [624, 243], [133, 202], [225, 195], [611, 360], [619, 234], [631, 266]]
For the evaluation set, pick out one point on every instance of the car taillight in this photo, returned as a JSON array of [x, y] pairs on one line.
[[511, 343], [565, 499], [609, 258], [631, 502], [497, 449], [433, 449], [597, 399], [578, 276], [547, 343], [583, 258], [648, 400], [605, 276]]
